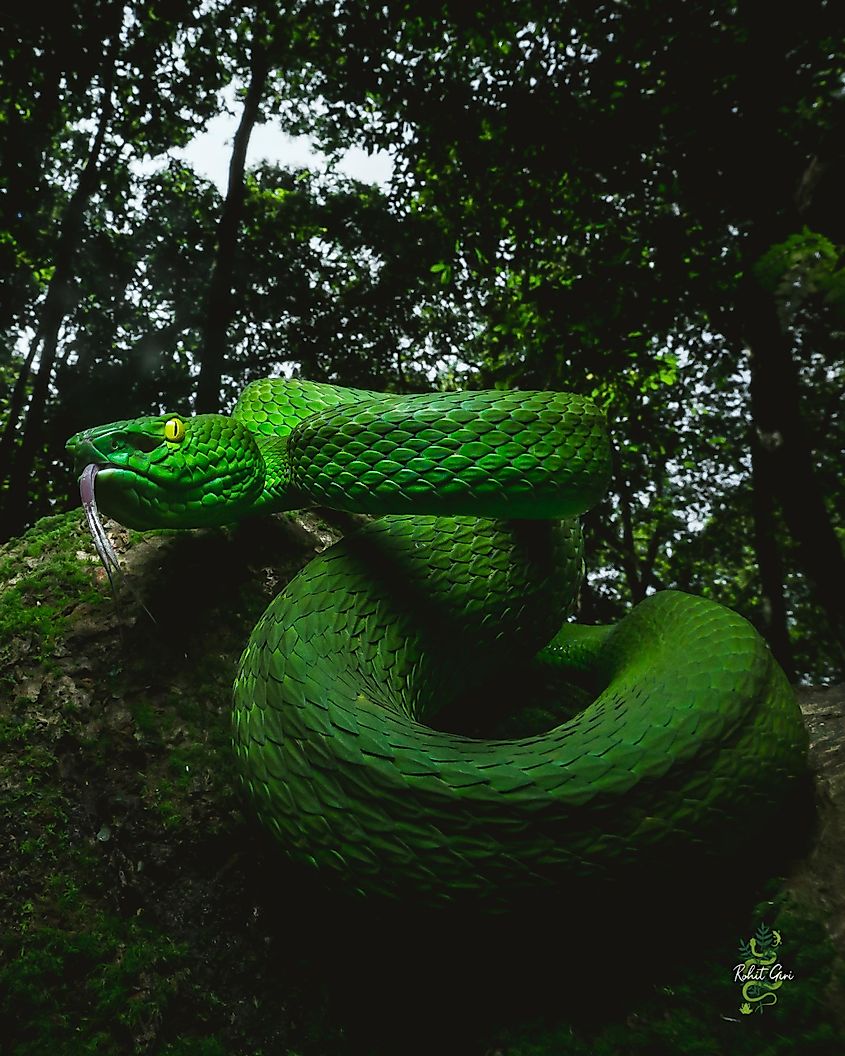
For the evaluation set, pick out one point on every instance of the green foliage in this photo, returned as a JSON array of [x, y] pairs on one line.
[[604, 181], [580, 196], [763, 935], [804, 266]]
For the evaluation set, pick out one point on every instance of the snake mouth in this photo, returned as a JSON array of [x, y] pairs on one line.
[[87, 477]]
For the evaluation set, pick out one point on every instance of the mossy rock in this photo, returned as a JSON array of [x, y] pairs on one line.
[[143, 911]]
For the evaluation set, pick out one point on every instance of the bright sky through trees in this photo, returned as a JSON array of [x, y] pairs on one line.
[[209, 152]]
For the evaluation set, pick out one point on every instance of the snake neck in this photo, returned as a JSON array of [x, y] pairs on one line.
[[272, 409], [509, 455], [279, 492], [497, 455]]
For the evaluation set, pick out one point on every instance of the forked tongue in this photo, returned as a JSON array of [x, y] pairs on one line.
[[102, 544]]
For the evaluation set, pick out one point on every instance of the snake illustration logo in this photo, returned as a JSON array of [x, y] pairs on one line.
[[760, 973]]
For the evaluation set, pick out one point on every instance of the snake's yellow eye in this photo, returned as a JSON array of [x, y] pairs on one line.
[[174, 430]]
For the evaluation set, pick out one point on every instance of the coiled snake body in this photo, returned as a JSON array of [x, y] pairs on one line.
[[459, 585]]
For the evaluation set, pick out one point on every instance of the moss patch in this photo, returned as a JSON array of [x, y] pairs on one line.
[[42, 577], [124, 922]]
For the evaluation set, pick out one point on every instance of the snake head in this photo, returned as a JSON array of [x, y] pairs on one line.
[[170, 471]]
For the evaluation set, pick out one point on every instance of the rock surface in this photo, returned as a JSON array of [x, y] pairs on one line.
[[819, 879], [143, 911]]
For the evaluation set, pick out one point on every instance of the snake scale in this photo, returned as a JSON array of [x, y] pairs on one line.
[[460, 582]]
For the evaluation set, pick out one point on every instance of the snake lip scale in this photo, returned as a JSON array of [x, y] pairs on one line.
[[458, 591]]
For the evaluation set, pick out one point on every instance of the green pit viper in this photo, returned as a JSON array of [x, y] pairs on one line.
[[460, 582]]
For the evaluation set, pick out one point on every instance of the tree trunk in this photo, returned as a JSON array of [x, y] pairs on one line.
[[16, 405], [27, 141], [785, 455], [773, 622], [56, 305], [221, 305]]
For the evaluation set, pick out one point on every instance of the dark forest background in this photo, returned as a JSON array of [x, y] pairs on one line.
[[641, 201]]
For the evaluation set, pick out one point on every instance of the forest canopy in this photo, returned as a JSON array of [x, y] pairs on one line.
[[638, 201]]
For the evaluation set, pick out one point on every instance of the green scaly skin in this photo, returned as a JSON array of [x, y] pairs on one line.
[[464, 577]]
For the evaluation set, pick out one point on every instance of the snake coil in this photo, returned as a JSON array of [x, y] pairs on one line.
[[458, 588]]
